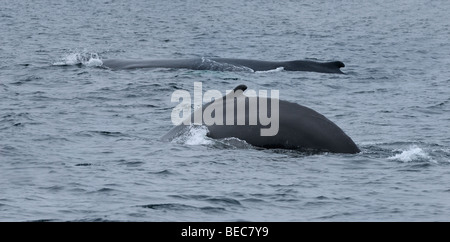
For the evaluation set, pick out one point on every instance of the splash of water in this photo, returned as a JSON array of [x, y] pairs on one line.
[[413, 154], [196, 135], [80, 58]]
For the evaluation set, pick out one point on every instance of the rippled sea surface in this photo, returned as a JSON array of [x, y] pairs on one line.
[[81, 143]]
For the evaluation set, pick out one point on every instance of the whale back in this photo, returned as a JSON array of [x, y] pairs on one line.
[[299, 127], [226, 64], [305, 65]]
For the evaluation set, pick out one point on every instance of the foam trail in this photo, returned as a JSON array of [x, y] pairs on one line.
[[412, 154], [195, 136], [77, 58]]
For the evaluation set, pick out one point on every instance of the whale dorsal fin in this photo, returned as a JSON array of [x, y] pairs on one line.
[[240, 87], [233, 93]]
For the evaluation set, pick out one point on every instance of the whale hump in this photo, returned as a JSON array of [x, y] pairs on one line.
[[338, 64], [299, 127], [334, 66]]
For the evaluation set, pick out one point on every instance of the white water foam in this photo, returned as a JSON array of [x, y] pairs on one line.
[[412, 154], [235, 143], [196, 135], [278, 69], [209, 64], [77, 58]]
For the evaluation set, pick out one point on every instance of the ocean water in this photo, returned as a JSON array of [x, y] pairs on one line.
[[79, 142]]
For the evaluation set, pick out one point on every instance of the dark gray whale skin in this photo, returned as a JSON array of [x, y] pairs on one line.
[[225, 64], [299, 128]]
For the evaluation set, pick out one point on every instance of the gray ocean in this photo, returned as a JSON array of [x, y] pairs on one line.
[[79, 142]]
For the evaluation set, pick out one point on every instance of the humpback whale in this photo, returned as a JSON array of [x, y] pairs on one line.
[[299, 127], [227, 64]]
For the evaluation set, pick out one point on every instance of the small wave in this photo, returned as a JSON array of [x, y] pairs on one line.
[[80, 58], [44, 220], [168, 206], [54, 188], [162, 173], [107, 133], [224, 201], [218, 200], [413, 154], [92, 220], [178, 206], [26, 80]]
